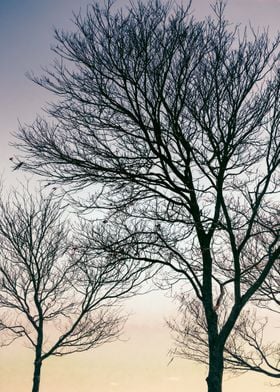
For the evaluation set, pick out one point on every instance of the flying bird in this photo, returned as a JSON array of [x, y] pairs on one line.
[[18, 166]]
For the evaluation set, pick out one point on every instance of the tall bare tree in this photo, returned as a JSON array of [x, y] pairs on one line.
[[176, 123], [55, 291]]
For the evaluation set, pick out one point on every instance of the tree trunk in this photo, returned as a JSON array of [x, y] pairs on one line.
[[36, 375], [38, 357], [216, 369]]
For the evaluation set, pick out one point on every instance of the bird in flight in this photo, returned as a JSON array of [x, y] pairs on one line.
[[18, 165]]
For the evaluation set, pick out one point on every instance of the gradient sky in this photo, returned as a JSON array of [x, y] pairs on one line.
[[139, 363]]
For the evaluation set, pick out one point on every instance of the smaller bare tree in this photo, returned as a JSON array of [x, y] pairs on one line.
[[48, 279], [248, 347]]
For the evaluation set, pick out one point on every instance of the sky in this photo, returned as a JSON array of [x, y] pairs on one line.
[[140, 361]]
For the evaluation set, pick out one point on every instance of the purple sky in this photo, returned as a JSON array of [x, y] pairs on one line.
[[26, 30], [26, 34]]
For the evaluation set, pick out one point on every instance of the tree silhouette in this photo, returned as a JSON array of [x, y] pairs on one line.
[[176, 124], [57, 294], [248, 348]]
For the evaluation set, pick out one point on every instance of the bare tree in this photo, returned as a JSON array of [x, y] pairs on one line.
[[248, 347], [55, 291], [176, 123]]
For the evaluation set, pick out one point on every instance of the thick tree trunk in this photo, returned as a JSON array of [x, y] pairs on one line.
[[38, 357], [216, 369], [37, 375]]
